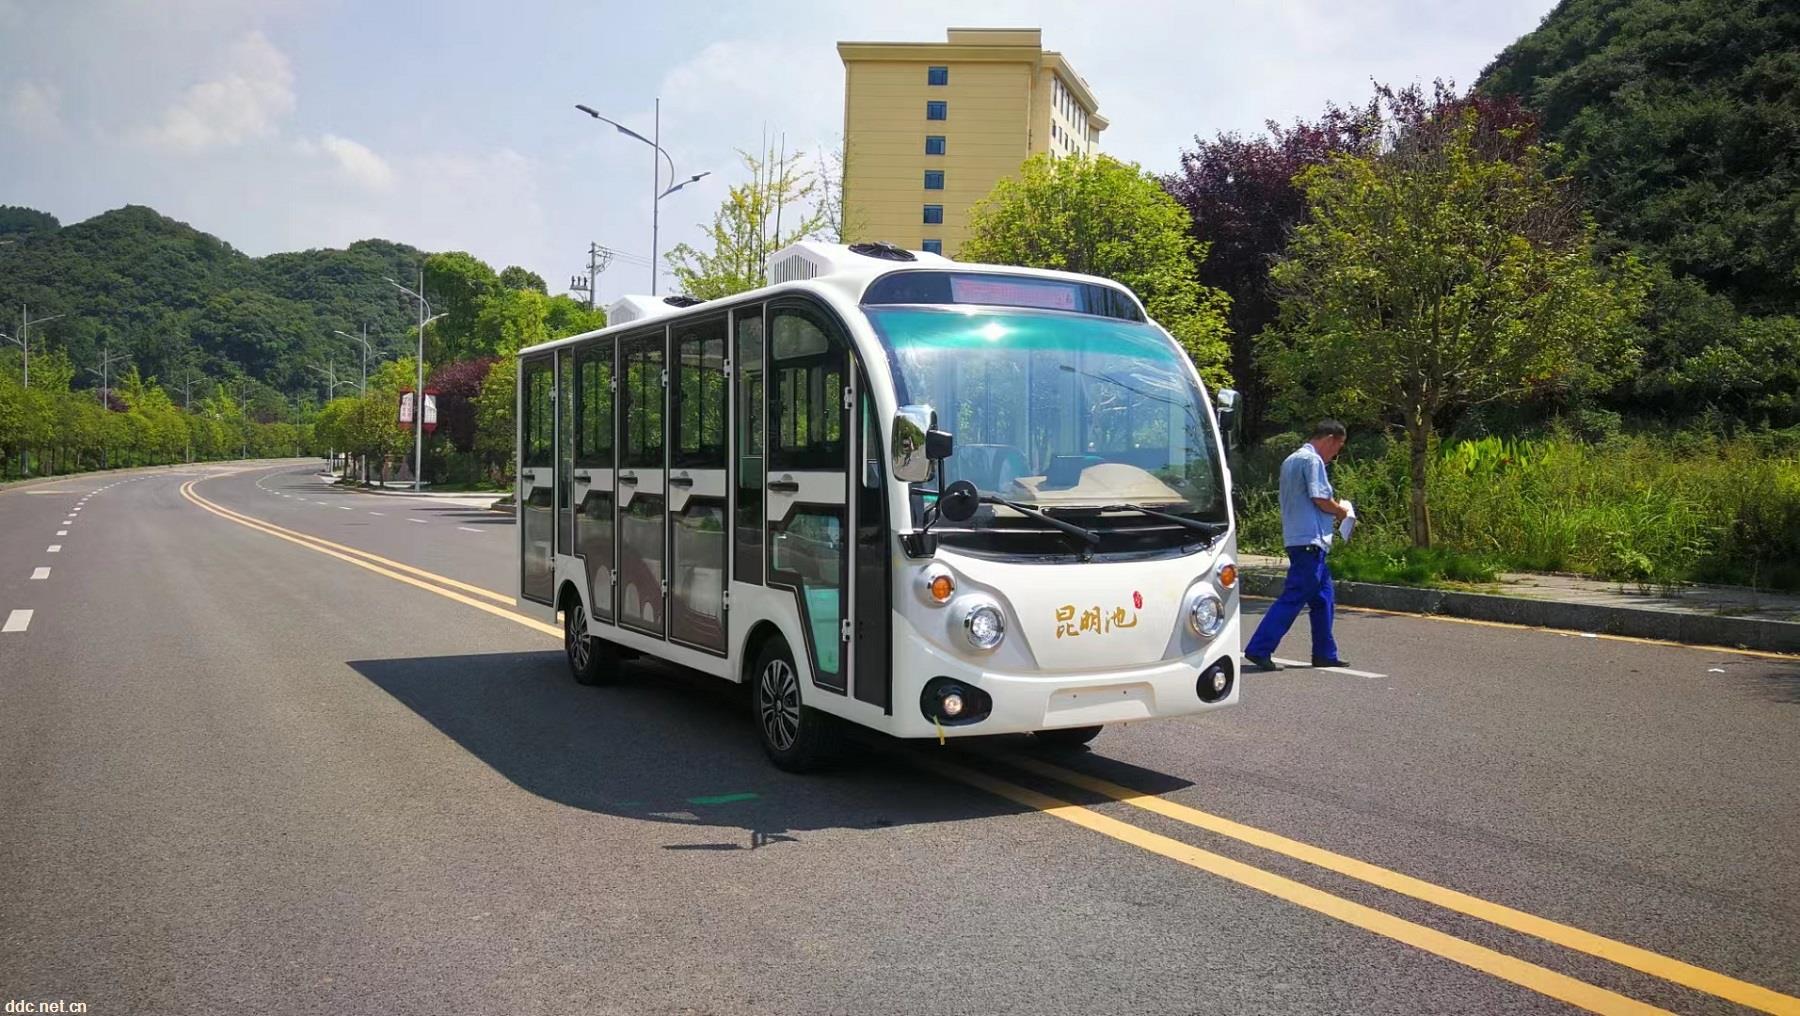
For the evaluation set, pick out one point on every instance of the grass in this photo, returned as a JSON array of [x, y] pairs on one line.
[[1650, 509]]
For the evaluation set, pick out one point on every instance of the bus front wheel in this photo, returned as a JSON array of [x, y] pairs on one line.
[[1066, 737], [796, 737]]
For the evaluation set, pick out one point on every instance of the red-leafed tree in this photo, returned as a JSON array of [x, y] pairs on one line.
[[1241, 195], [457, 385]]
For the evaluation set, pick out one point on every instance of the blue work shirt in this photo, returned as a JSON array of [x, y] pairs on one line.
[[1302, 479]]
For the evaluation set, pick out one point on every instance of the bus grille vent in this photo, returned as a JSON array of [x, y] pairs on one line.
[[792, 269]]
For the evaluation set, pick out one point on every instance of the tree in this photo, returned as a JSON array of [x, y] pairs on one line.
[[1104, 217], [1244, 201], [458, 284], [1241, 197], [514, 277], [777, 207], [1436, 277]]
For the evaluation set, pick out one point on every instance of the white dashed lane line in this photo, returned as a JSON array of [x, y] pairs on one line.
[[346, 507], [40, 573], [62, 532], [56, 548], [466, 529], [18, 620], [419, 521], [384, 513]]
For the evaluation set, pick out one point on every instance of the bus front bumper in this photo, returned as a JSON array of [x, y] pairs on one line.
[[1021, 703]]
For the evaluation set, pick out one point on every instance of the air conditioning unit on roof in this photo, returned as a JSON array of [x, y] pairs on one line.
[[638, 307], [810, 259]]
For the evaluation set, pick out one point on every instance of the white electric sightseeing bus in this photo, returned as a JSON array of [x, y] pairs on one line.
[[928, 497]]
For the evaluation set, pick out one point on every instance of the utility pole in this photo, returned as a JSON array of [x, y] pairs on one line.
[[598, 258]]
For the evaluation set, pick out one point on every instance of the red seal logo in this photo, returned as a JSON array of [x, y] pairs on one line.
[[1137, 600]]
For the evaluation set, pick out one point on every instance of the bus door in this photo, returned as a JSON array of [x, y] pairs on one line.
[[537, 478], [591, 492], [807, 482], [642, 582], [698, 502], [872, 582]]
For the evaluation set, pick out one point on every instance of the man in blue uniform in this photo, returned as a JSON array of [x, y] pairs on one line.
[[1309, 509]]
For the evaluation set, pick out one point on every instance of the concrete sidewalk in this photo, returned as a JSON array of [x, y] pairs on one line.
[[1705, 615], [459, 499]]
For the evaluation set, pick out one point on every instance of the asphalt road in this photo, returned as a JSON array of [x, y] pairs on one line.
[[243, 771]]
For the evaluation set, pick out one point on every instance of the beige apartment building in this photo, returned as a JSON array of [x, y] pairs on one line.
[[930, 127]]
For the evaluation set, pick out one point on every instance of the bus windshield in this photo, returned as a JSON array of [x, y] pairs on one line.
[[1058, 410]]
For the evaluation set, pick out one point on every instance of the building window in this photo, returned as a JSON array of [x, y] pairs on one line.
[[934, 179], [937, 111], [934, 215], [932, 246], [937, 75], [934, 144]]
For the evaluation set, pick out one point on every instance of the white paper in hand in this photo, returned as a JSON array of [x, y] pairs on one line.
[[1348, 526]]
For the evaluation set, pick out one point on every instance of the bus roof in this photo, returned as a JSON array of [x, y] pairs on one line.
[[811, 266]]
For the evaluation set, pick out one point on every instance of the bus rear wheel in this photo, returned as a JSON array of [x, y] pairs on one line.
[[1066, 737], [796, 737], [591, 660]]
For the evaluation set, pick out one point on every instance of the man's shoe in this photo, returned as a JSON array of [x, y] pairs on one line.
[[1329, 663], [1262, 663]]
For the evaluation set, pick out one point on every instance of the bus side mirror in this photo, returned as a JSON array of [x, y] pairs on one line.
[[909, 459], [1230, 415]]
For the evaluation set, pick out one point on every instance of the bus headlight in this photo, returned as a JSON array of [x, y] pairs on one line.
[[985, 625], [1206, 616]]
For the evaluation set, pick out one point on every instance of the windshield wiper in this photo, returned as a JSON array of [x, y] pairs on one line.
[[1210, 528], [1092, 537]]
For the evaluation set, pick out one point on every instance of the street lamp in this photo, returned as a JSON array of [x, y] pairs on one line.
[[23, 341], [364, 387], [656, 186], [419, 392]]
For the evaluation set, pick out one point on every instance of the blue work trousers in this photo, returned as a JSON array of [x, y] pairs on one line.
[[1308, 586]]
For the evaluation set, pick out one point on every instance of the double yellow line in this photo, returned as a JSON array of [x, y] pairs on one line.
[[1528, 975]]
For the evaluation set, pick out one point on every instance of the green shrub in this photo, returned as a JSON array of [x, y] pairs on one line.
[[1649, 509]]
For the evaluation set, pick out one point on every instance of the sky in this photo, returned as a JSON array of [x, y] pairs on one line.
[[450, 125]]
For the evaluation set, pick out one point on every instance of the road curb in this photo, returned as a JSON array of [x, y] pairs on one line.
[[1668, 625], [427, 498]]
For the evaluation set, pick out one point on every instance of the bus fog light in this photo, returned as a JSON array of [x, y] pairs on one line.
[[985, 625], [951, 705], [1214, 684], [1207, 615]]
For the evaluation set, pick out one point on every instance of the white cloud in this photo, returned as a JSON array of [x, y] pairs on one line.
[[253, 92], [35, 108], [358, 162]]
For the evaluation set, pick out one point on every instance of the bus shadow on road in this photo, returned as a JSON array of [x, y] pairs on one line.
[[662, 745]]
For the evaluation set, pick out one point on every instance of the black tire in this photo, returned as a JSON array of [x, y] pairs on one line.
[[591, 659], [795, 736], [1066, 737]]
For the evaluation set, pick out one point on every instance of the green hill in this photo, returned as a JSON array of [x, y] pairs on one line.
[[1681, 120], [171, 296]]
